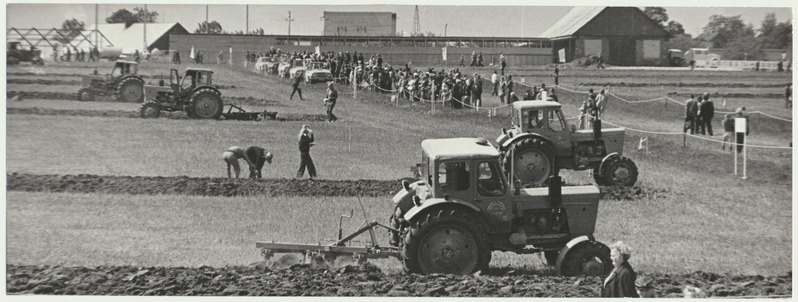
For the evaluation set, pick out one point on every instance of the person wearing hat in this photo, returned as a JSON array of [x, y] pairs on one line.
[[261, 157], [330, 100], [305, 142], [231, 156], [621, 281], [645, 287]]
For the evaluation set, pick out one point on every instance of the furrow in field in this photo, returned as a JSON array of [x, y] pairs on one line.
[[135, 114]]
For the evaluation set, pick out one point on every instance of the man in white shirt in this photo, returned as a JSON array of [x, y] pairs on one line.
[[601, 103], [494, 79]]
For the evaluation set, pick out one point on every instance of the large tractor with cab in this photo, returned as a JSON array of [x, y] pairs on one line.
[[463, 208], [193, 93], [540, 142], [123, 82]]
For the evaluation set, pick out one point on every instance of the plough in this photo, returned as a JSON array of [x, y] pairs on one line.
[[336, 255], [242, 115]]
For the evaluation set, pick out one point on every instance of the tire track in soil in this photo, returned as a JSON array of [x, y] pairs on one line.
[[365, 280], [183, 185], [135, 114], [45, 95]]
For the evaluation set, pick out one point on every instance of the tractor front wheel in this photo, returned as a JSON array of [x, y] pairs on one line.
[[586, 258], [86, 95], [447, 241], [206, 104], [150, 110], [533, 161], [130, 89], [620, 171]]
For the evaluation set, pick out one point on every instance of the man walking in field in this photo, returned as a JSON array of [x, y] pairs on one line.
[[295, 83], [330, 100], [305, 142]]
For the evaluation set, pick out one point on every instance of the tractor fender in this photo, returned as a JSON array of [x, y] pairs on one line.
[[215, 90], [130, 76], [434, 203], [607, 159], [508, 142], [571, 244]]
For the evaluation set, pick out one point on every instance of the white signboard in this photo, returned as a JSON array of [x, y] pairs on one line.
[[443, 53], [739, 125], [561, 55]]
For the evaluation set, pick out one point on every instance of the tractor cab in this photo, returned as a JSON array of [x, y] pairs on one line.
[[544, 118], [193, 78], [123, 68], [462, 168]]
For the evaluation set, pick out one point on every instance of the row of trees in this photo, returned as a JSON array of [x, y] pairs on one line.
[[213, 27], [741, 40]]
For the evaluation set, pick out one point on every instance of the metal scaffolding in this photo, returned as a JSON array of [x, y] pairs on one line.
[[34, 37]]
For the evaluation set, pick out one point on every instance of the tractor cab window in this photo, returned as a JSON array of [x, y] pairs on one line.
[[203, 79], [489, 183], [556, 121], [533, 118], [117, 71], [188, 81], [453, 176]]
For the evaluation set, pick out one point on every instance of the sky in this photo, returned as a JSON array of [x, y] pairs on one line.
[[472, 18]]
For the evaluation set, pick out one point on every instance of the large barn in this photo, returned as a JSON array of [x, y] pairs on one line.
[[623, 36], [131, 38]]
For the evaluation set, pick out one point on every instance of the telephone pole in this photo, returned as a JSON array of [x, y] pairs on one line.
[[146, 17], [416, 24], [289, 19], [247, 31]]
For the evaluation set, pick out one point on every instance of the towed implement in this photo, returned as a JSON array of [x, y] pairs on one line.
[[463, 208]]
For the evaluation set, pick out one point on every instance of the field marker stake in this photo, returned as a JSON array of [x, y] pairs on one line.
[[734, 151], [349, 141]]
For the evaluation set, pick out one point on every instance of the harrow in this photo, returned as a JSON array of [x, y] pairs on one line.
[[242, 115]]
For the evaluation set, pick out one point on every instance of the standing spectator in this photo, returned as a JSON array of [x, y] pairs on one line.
[[219, 57], [69, 54], [543, 94], [788, 97], [728, 132], [780, 65], [601, 103], [509, 84], [503, 90], [553, 96], [305, 142], [295, 83], [231, 156], [503, 62], [556, 75], [330, 100], [473, 58], [462, 60], [707, 112], [479, 60], [476, 92], [621, 281], [587, 110], [136, 56], [756, 67], [176, 57], [494, 80], [690, 114], [83, 55], [260, 157], [457, 94]]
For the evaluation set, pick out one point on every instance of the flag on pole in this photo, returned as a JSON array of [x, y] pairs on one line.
[[191, 54]]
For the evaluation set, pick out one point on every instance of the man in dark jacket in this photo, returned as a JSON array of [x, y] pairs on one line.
[[260, 156], [690, 114], [707, 112], [296, 80], [305, 142]]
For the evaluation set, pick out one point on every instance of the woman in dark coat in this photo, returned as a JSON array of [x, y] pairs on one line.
[[621, 282]]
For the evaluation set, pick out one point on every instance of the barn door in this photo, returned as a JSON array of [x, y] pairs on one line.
[[622, 52]]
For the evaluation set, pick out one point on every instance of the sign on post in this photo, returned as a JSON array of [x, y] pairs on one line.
[[740, 127], [443, 53]]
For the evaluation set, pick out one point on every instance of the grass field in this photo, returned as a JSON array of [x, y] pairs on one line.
[[709, 220]]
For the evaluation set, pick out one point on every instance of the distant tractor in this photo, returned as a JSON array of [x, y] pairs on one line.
[[193, 94], [15, 54], [123, 82], [540, 142], [676, 57]]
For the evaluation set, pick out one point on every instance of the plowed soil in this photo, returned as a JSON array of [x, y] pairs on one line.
[[40, 95], [135, 114], [64, 82], [87, 183], [366, 280]]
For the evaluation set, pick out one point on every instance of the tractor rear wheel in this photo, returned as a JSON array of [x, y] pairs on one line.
[[86, 95], [620, 171], [598, 177], [150, 110], [130, 89], [586, 258], [206, 104], [447, 241], [533, 162]]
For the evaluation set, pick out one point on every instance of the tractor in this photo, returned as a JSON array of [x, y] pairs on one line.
[[16, 54], [123, 82], [194, 94], [540, 142], [463, 208]]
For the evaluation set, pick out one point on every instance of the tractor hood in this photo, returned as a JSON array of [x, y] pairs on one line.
[[404, 198]]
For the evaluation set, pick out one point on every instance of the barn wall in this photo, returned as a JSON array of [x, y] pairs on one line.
[[212, 44]]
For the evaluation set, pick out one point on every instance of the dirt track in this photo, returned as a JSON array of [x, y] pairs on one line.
[[367, 280], [135, 114], [86, 183]]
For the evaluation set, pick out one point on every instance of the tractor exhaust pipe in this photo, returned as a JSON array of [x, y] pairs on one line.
[[555, 191], [597, 129]]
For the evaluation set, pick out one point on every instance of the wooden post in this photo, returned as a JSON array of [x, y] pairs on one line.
[[684, 140]]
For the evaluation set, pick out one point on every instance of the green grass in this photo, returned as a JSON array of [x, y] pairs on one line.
[[708, 220]]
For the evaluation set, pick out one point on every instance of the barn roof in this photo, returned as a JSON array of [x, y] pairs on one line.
[[131, 38], [573, 21]]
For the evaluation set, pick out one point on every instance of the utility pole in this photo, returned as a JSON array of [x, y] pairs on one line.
[[247, 32], [416, 23], [289, 19], [146, 17], [207, 26], [445, 28]]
